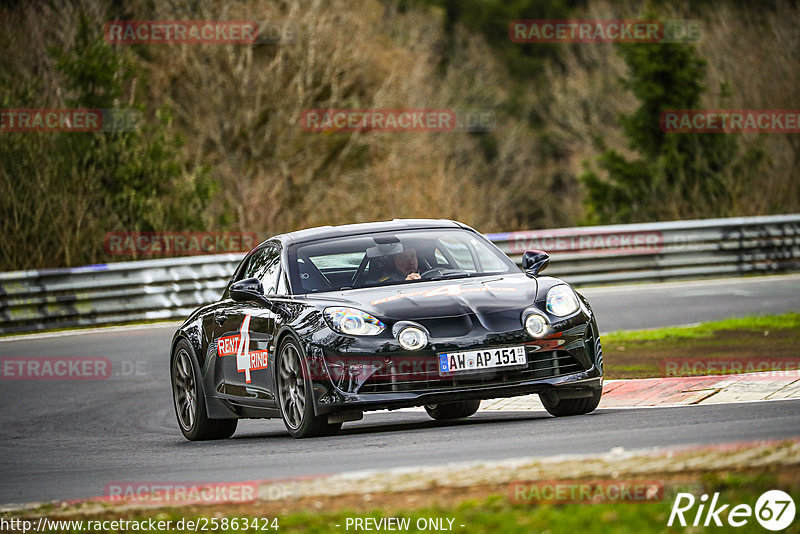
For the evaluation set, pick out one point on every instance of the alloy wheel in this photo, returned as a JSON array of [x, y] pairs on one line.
[[291, 386], [185, 393]]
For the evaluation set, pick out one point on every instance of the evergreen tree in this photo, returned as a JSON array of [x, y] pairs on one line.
[[675, 175]]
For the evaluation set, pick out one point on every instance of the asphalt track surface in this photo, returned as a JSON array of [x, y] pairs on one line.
[[68, 439]]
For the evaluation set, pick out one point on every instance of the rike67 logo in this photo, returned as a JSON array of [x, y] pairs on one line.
[[246, 360], [774, 510]]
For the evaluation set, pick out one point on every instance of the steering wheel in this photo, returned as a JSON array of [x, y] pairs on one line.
[[433, 271]]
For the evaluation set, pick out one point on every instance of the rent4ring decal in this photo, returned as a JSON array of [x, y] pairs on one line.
[[246, 360]]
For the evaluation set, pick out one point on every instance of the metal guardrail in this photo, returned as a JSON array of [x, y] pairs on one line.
[[111, 293], [172, 287], [675, 250]]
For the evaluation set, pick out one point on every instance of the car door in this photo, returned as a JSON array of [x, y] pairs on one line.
[[244, 333]]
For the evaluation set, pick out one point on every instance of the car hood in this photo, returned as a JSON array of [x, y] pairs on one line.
[[443, 298]]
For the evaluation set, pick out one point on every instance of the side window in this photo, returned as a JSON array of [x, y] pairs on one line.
[[487, 261], [265, 265], [460, 253]]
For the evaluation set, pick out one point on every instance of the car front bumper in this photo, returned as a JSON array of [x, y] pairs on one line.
[[377, 377], [576, 385]]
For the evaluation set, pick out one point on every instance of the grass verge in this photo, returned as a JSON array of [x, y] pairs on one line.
[[495, 513], [641, 353]]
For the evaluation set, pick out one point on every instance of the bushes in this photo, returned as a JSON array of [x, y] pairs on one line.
[[673, 175], [60, 192]]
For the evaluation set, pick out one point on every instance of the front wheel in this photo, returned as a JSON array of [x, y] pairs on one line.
[[190, 407], [453, 410], [563, 407], [295, 396]]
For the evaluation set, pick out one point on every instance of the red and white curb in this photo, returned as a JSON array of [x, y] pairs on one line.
[[678, 391], [718, 389], [674, 391]]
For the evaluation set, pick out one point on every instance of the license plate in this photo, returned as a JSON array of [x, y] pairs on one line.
[[476, 360]]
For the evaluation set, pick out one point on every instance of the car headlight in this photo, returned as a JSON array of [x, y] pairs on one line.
[[536, 324], [353, 322], [562, 300], [412, 338]]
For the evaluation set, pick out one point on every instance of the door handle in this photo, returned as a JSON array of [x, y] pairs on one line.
[[220, 318]]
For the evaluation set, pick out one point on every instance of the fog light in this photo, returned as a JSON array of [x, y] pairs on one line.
[[412, 338], [536, 325]]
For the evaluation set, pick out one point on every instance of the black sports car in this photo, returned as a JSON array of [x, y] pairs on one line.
[[320, 325]]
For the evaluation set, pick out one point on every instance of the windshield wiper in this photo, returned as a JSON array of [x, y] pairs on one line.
[[448, 273], [459, 274], [464, 274]]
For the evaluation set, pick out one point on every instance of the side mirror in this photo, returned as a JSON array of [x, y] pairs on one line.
[[247, 290], [535, 261]]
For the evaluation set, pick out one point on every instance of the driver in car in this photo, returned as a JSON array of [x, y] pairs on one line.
[[403, 266]]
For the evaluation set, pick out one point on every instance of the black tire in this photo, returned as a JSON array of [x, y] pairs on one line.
[[189, 400], [564, 407], [295, 395], [453, 410]]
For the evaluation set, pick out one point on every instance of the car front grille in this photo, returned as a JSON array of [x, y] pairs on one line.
[[544, 364]]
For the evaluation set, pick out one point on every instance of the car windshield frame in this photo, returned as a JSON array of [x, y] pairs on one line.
[[348, 262]]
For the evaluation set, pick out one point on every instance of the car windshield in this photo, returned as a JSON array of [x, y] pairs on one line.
[[397, 257]]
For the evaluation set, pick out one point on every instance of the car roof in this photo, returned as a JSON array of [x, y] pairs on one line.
[[326, 232]]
